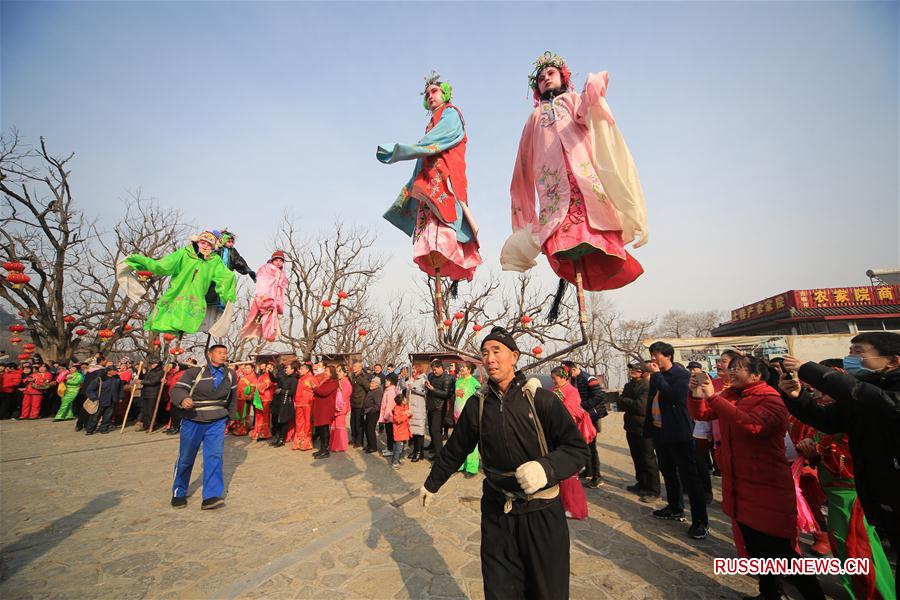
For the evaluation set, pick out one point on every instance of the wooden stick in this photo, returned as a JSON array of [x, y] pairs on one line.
[[579, 284], [438, 300], [162, 386], [582, 323], [134, 381]]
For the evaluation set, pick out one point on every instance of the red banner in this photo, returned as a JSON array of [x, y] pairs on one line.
[[820, 298]]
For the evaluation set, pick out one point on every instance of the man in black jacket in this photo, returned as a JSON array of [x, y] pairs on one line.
[[593, 402], [867, 409], [107, 388], [528, 444], [633, 402], [359, 383], [151, 381], [441, 387], [670, 427]]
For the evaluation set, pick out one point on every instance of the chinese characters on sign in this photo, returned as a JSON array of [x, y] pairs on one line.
[[820, 298]]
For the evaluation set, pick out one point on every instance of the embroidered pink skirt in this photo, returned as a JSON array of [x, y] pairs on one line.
[[435, 247], [605, 264]]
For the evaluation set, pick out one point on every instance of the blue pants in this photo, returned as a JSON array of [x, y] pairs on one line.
[[212, 437]]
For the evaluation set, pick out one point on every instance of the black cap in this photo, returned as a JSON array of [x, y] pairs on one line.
[[498, 334], [694, 365]]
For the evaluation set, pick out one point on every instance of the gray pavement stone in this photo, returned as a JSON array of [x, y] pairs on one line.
[[89, 517]]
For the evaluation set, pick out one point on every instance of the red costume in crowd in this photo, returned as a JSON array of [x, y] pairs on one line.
[[261, 417], [31, 397], [303, 401], [244, 402]]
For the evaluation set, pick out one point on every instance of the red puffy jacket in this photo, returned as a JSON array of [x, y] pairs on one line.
[[757, 487], [10, 381]]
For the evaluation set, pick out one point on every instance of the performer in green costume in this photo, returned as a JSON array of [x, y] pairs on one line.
[[466, 386], [192, 269], [73, 384]]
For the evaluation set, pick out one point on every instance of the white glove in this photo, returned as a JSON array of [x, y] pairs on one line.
[[531, 476], [425, 496]]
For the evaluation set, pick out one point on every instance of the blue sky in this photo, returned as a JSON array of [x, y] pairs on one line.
[[765, 133]]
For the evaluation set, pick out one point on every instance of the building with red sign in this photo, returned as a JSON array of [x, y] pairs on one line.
[[825, 310]]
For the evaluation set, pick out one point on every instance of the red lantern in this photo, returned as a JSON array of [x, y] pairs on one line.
[[17, 328], [69, 319], [17, 280], [362, 333], [343, 295], [476, 327], [28, 347], [156, 343], [13, 266], [326, 303], [525, 320], [25, 356], [537, 350], [459, 316], [15, 340], [143, 276], [176, 351], [81, 331], [105, 333], [447, 322], [168, 337], [126, 327]]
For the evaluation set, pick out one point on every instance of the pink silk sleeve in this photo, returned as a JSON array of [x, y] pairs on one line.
[[593, 97], [521, 190]]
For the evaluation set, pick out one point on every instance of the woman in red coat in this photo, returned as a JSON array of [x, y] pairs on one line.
[[757, 486], [35, 385], [323, 409]]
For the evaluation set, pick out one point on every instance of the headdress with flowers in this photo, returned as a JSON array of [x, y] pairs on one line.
[[435, 79], [206, 236], [549, 59]]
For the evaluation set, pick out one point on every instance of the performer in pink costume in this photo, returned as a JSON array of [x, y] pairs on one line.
[[590, 199], [571, 492], [268, 301]]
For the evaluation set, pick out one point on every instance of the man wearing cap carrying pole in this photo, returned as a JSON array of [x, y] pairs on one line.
[[528, 444]]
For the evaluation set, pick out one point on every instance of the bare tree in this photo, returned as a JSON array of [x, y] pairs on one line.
[[42, 228], [520, 309], [340, 260], [682, 323]]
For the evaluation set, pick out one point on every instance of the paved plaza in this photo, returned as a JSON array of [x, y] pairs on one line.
[[89, 517]]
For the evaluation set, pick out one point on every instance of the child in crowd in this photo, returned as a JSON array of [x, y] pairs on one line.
[[400, 416]]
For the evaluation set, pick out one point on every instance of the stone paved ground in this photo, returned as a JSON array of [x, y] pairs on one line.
[[89, 517]]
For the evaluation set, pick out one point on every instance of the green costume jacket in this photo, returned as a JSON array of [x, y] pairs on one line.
[[183, 306], [73, 384]]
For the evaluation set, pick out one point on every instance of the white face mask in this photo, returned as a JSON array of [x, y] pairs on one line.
[[318, 370]]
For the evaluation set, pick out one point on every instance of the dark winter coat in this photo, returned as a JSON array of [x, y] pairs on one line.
[[151, 382], [372, 402], [210, 403], [108, 393], [672, 385], [444, 389], [867, 409], [360, 387], [593, 398], [235, 262], [283, 402], [507, 438], [633, 402]]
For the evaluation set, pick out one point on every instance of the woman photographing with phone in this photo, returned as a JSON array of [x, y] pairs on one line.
[[757, 486]]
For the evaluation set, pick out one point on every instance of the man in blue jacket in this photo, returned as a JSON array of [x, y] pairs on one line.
[[670, 427]]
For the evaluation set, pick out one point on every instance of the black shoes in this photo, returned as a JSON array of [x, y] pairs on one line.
[[648, 497], [698, 530], [595, 482], [179, 502], [635, 489], [370, 450], [415, 458], [211, 503], [322, 454], [667, 514], [173, 430]]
